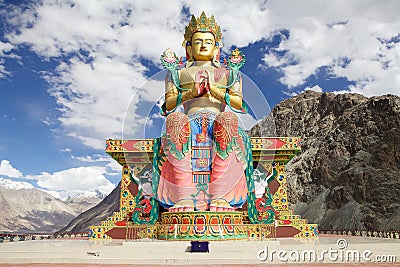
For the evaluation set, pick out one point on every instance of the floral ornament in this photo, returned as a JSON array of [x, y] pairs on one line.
[[169, 59], [171, 62], [237, 59]]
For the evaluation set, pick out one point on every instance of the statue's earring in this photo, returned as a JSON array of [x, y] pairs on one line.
[[189, 63], [189, 58], [216, 56], [216, 63]]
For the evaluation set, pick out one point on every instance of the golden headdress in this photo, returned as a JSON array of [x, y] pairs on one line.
[[203, 24]]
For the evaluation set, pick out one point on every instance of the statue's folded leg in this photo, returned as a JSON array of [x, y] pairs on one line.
[[228, 186], [175, 185]]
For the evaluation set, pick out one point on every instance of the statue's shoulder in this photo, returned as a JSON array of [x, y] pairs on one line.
[[182, 71]]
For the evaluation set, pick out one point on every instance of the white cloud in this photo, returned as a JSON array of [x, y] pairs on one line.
[[99, 49], [48, 121], [315, 88], [86, 181], [112, 166], [7, 169], [241, 23], [325, 33], [5, 48], [93, 97], [66, 150], [91, 159], [74, 181]]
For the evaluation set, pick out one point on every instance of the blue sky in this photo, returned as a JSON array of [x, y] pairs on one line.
[[75, 73]]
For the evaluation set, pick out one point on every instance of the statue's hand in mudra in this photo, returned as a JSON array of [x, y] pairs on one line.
[[202, 84]]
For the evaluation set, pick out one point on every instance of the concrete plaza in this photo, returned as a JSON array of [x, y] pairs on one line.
[[332, 250]]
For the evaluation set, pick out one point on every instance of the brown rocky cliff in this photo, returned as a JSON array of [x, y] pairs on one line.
[[348, 173]]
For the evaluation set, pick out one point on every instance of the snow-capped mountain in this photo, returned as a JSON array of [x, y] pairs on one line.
[[26, 209]]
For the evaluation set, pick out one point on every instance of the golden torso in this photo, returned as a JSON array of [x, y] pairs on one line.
[[187, 77]]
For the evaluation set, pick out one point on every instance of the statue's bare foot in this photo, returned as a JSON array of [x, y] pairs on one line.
[[182, 205], [220, 205]]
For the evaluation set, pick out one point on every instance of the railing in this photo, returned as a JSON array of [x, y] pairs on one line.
[[14, 237], [151, 233], [395, 234], [248, 232]]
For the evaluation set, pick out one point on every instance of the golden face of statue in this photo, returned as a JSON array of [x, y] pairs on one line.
[[203, 46]]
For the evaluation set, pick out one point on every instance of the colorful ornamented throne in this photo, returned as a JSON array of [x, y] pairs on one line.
[[137, 208]]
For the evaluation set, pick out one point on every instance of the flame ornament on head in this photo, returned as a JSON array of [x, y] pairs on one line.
[[202, 24]]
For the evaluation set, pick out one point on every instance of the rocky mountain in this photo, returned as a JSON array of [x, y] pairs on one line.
[[96, 214], [347, 175], [29, 210], [83, 203]]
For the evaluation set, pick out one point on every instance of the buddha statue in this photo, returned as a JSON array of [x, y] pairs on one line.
[[203, 154]]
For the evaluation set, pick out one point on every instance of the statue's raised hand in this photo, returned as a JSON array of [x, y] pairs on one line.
[[202, 84]]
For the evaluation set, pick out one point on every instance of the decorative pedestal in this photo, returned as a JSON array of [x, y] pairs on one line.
[[269, 158]]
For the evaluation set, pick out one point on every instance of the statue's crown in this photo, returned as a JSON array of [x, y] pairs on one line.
[[202, 24]]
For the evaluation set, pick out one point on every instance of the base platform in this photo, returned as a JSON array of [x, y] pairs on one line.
[[205, 225]]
